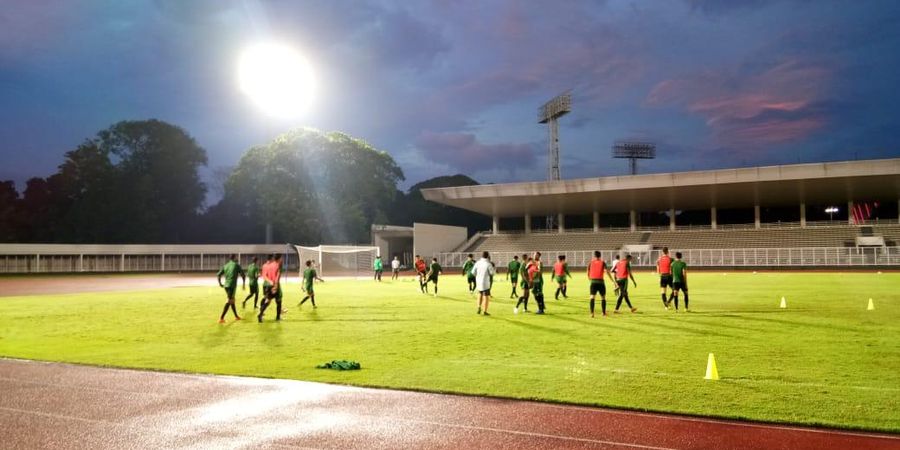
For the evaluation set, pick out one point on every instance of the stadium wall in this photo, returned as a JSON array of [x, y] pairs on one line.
[[430, 240], [76, 258]]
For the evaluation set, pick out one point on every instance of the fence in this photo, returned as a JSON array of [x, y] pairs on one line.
[[71, 258], [750, 257]]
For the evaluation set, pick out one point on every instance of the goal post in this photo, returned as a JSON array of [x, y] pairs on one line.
[[338, 260]]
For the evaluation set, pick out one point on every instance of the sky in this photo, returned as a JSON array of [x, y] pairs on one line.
[[453, 86]]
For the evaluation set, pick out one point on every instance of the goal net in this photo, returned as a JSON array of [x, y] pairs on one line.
[[338, 260]]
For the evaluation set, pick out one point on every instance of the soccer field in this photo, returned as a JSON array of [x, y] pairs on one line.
[[824, 360]]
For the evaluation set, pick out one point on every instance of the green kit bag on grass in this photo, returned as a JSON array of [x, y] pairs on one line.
[[340, 364]]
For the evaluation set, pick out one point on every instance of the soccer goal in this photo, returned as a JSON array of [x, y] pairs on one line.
[[339, 260]]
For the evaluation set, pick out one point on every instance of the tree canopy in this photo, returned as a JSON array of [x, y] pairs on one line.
[[136, 181], [311, 186]]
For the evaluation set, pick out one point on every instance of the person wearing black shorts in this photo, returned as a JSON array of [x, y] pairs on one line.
[[623, 273], [664, 269], [595, 271], [679, 275]]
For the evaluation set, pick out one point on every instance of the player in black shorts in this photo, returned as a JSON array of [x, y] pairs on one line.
[[664, 269]]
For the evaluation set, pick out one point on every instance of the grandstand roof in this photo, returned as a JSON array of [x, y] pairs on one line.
[[814, 184]]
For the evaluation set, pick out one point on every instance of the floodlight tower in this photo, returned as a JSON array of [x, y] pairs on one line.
[[633, 151], [550, 114]]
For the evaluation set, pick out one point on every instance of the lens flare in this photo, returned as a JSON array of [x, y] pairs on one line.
[[277, 78]]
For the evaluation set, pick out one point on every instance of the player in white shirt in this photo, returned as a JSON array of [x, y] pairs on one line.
[[484, 273], [395, 268]]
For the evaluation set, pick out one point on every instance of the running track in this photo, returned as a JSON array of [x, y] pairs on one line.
[[61, 406]]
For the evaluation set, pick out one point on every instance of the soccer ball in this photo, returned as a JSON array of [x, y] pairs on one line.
[[515, 310]]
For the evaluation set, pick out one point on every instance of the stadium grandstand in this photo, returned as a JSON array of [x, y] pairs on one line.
[[824, 214]]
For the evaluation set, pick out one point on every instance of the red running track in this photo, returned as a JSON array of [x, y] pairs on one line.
[[61, 406]]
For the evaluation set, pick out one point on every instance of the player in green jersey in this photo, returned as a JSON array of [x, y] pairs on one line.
[[231, 270], [309, 275], [467, 272], [253, 278], [512, 273], [679, 281], [434, 270], [526, 286]]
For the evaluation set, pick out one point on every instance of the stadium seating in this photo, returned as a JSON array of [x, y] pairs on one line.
[[788, 237]]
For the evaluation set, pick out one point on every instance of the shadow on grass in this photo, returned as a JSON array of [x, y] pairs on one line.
[[795, 323], [270, 333], [699, 332], [533, 326]]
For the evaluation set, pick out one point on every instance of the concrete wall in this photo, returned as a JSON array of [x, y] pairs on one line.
[[429, 240]]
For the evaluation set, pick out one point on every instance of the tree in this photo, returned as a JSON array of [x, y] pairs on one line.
[[312, 187], [9, 214], [136, 181]]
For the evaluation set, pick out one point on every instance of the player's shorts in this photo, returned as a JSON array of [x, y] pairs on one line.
[[537, 287], [561, 279], [679, 286], [514, 280], [271, 292], [598, 287], [309, 289], [229, 290], [623, 284], [396, 270], [470, 278], [433, 279], [665, 281], [254, 288], [485, 292]]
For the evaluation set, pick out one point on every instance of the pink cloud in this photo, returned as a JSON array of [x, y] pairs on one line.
[[778, 104], [462, 151]]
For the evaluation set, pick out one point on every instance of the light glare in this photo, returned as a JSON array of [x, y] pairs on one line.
[[277, 78]]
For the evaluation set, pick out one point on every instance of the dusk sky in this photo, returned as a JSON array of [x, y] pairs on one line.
[[453, 86]]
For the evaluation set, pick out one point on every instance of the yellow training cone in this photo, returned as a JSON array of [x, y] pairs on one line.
[[783, 303], [711, 372], [871, 305]]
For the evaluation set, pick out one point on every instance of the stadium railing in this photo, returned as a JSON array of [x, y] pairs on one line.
[[73, 258], [802, 257]]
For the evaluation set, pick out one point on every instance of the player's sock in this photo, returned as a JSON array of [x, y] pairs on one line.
[[304, 300], [224, 311], [313, 301], [234, 310], [565, 288], [619, 302], [603, 305], [685, 300], [557, 293], [592, 307], [628, 301], [664, 299], [676, 303]]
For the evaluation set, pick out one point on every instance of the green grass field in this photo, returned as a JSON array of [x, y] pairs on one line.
[[824, 360]]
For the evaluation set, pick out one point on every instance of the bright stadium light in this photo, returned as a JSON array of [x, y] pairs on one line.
[[831, 210], [277, 78]]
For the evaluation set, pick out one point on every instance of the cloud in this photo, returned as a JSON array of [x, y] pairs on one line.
[[462, 151], [754, 106], [726, 6]]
